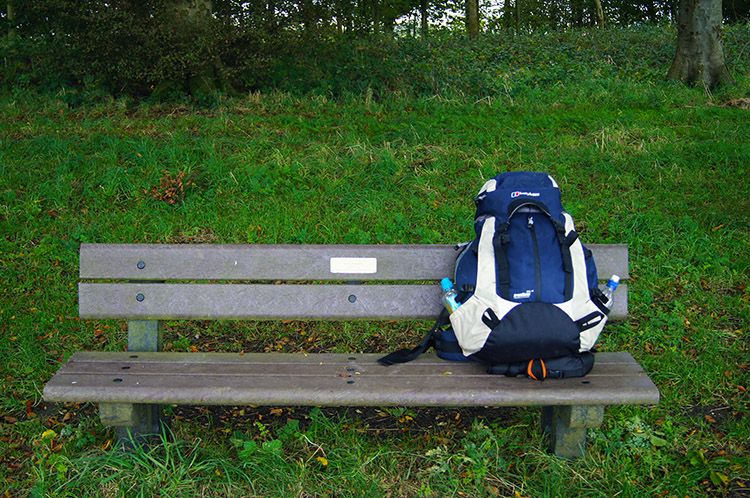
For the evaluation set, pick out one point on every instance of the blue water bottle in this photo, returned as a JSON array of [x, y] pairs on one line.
[[449, 295], [609, 291]]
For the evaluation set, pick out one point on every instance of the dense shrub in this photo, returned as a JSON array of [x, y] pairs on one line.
[[122, 48]]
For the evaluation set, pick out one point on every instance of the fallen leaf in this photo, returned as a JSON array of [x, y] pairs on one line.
[[658, 442], [719, 478]]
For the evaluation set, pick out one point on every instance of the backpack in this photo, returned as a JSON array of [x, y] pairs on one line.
[[528, 288]]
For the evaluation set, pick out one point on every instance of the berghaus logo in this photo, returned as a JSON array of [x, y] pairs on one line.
[[518, 193]]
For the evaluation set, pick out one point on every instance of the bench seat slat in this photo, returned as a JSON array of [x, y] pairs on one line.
[[332, 359], [289, 262], [263, 301], [288, 365], [248, 380]]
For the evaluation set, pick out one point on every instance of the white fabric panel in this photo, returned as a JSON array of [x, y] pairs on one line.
[[580, 305], [471, 332]]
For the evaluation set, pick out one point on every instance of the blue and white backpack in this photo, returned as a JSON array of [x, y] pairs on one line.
[[528, 288]]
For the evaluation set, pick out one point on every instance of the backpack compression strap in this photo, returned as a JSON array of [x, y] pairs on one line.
[[499, 241]]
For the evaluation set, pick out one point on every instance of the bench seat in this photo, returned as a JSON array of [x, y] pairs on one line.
[[291, 379]]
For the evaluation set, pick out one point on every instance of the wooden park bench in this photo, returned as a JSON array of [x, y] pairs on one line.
[[147, 284]]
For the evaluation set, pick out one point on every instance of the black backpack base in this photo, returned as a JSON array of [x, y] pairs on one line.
[[563, 367], [446, 346]]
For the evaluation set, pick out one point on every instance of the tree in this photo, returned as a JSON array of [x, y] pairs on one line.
[[599, 13], [472, 17], [700, 53], [11, 15]]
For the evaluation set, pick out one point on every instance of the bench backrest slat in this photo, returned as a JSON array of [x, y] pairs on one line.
[[259, 301], [290, 262]]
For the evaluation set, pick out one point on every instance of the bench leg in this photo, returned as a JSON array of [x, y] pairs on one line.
[[134, 423], [566, 427], [145, 335], [137, 423]]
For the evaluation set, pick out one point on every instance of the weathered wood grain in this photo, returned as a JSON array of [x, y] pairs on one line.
[[323, 380], [150, 301], [289, 262]]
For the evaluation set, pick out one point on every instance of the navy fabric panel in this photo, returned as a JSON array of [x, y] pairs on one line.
[[518, 190], [447, 347], [551, 259], [522, 260], [530, 330], [520, 251], [591, 274], [498, 202], [466, 266]]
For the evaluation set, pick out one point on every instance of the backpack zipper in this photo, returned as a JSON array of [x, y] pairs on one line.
[[537, 264]]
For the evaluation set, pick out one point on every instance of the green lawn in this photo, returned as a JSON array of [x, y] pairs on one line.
[[655, 165]]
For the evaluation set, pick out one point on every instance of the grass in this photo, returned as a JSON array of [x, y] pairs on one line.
[[655, 165]]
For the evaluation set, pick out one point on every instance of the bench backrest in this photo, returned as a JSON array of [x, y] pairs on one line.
[[161, 282]]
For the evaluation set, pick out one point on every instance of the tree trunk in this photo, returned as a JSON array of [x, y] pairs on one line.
[[472, 17], [599, 13], [195, 13], [508, 14], [376, 16], [339, 17], [700, 53], [11, 13], [192, 19], [423, 10]]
